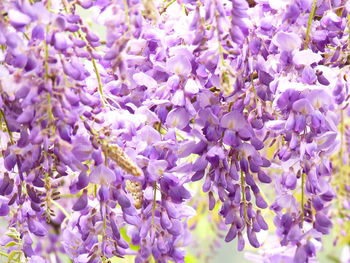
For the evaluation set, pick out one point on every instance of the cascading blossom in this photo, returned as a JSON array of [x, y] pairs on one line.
[[124, 122]]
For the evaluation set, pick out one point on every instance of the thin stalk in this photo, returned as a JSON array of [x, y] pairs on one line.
[[46, 65], [97, 73], [169, 4], [166, 6], [100, 89], [126, 10], [103, 206], [71, 195], [95, 190], [154, 201], [254, 90], [309, 23], [221, 49], [65, 5], [2, 115], [243, 198], [98, 76], [26, 36], [3, 254], [348, 17], [50, 108], [64, 211], [341, 164], [341, 140], [303, 177]]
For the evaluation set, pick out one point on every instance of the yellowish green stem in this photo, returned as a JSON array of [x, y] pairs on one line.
[[50, 108], [254, 90], [243, 198], [127, 16], [47, 56], [341, 140], [95, 190], [97, 73], [309, 23], [2, 116], [65, 5], [167, 5], [348, 18], [303, 177], [99, 82], [154, 201], [71, 195], [64, 211], [26, 35]]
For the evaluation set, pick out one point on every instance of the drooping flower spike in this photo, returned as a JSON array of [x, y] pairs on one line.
[[123, 123]]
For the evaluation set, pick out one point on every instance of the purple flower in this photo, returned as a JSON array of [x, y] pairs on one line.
[[81, 202], [156, 169], [102, 175], [233, 120], [36, 227], [18, 19], [287, 41], [177, 118], [179, 65]]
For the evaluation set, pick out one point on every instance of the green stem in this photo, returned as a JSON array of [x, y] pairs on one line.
[[341, 140], [2, 115], [46, 56], [50, 108], [65, 6], [303, 177], [64, 211], [341, 184], [103, 206], [3, 254], [154, 201], [254, 90], [309, 23], [71, 195], [95, 190], [97, 73], [348, 17], [26, 35], [221, 49], [100, 89], [167, 5], [126, 10], [243, 198], [98, 76]]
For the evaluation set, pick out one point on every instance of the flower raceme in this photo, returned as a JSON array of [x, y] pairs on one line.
[[113, 130]]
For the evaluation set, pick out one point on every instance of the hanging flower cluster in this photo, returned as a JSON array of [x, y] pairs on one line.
[[113, 131]]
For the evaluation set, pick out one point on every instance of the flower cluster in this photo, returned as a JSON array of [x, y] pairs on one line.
[[108, 127]]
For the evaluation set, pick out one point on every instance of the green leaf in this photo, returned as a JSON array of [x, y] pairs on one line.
[[11, 244], [12, 235]]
